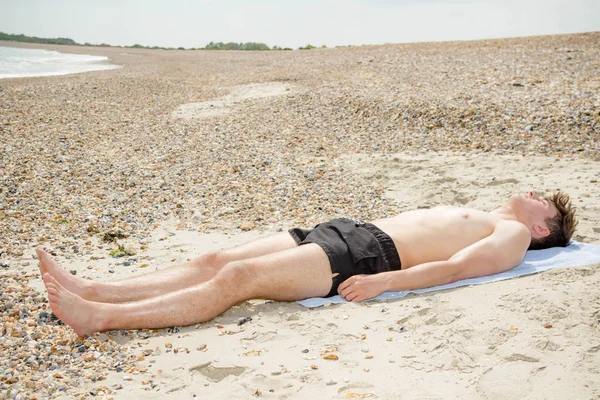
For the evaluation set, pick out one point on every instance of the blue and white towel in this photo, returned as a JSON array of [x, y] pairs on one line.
[[574, 255]]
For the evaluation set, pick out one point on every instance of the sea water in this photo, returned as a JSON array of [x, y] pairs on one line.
[[16, 63]]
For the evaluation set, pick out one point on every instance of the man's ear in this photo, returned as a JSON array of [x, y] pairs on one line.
[[540, 231]]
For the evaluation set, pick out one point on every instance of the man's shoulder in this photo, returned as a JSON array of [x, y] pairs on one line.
[[512, 230]]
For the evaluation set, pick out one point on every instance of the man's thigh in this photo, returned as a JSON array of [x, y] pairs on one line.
[[292, 274], [259, 247]]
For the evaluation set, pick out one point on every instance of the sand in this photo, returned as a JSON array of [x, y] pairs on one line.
[[358, 133], [225, 104]]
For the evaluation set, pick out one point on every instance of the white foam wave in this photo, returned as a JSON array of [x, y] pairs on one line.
[[17, 63]]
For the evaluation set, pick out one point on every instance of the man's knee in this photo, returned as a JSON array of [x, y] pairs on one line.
[[213, 259], [235, 274]]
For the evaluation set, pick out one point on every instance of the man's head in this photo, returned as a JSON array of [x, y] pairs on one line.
[[551, 220]]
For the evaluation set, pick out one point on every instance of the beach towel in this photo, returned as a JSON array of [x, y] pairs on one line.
[[574, 255]]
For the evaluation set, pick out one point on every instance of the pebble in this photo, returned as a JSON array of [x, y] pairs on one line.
[[50, 346], [247, 226], [331, 383]]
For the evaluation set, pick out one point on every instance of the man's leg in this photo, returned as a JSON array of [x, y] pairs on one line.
[[166, 280], [287, 275]]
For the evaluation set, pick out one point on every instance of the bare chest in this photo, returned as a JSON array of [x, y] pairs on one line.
[[436, 234]]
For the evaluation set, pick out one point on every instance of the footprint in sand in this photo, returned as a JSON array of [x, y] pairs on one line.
[[444, 317], [261, 337], [460, 198], [506, 381], [548, 345], [495, 182], [444, 180], [497, 337], [359, 390], [218, 373]]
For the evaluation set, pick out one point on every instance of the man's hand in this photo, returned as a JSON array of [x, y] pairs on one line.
[[362, 287]]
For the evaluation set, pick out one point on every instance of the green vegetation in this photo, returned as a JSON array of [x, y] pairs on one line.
[[236, 46], [117, 253], [310, 47], [60, 220], [250, 46], [33, 39]]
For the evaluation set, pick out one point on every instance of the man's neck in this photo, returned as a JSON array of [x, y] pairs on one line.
[[505, 212]]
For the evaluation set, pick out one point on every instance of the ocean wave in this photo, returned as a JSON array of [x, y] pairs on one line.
[[17, 63]]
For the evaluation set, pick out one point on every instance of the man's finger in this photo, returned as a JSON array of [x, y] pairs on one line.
[[351, 294], [348, 294], [345, 285], [343, 292]]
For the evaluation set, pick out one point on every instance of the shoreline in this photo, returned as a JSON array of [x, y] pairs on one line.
[[67, 65]]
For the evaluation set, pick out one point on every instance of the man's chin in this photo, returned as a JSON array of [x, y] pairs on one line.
[[515, 197]]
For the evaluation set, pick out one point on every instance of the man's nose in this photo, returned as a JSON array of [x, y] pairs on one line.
[[532, 194]]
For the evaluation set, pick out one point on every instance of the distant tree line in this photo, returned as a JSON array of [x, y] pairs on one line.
[[211, 46], [33, 39], [236, 46]]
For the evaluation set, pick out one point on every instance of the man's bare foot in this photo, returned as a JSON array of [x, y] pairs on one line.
[[81, 315], [81, 287]]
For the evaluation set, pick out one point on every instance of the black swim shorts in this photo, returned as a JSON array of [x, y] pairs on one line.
[[352, 247]]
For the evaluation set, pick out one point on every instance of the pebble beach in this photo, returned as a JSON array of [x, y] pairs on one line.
[[129, 169]]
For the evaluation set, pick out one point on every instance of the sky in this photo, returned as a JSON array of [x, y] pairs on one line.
[[293, 23]]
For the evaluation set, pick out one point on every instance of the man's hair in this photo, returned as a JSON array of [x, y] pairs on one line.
[[561, 226]]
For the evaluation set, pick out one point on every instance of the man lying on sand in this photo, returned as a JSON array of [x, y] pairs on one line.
[[415, 249]]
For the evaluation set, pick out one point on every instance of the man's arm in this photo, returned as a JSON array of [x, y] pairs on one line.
[[502, 250]]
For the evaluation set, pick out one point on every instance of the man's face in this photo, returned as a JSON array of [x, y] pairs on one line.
[[534, 208]]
